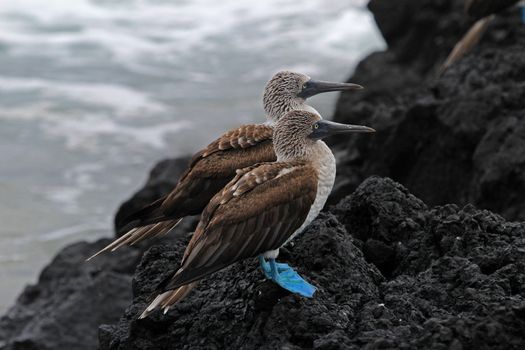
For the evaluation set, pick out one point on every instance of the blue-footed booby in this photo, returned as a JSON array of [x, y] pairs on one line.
[[211, 168], [264, 207]]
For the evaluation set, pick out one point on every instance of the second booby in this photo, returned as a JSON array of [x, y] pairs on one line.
[[263, 208], [211, 168]]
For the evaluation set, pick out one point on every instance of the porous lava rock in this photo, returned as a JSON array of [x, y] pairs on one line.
[[70, 300], [391, 273], [456, 138]]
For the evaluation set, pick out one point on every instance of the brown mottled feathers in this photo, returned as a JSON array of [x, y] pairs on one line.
[[256, 212], [168, 299], [244, 136], [209, 171], [138, 234], [212, 168]]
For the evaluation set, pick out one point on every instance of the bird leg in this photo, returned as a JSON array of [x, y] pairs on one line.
[[265, 266], [286, 277]]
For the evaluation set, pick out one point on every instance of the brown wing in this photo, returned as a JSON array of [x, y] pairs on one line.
[[212, 168], [245, 136], [209, 171], [256, 212]]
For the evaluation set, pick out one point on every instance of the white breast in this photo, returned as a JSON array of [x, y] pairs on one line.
[[326, 177], [325, 165]]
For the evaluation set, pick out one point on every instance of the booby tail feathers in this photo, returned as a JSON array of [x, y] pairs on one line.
[[167, 299], [139, 234], [148, 214]]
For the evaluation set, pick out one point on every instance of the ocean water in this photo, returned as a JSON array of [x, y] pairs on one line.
[[94, 92]]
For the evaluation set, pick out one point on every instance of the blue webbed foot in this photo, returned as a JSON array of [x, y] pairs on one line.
[[522, 8], [268, 270], [286, 277]]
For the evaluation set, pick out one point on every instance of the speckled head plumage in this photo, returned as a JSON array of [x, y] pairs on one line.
[[281, 93], [287, 91], [298, 131]]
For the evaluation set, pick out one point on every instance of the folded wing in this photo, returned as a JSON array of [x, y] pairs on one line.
[[208, 172], [255, 213]]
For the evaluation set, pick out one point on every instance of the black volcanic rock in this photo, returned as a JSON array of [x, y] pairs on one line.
[[73, 297], [393, 272], [418, 33], [70, 300], [459, 138], [451, 278], [162, 179], [237, 308], [480, 8]]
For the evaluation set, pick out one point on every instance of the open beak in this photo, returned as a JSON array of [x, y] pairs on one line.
[[314, 87], [324, 128]]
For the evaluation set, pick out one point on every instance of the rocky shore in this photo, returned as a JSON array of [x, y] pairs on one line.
[[459, 138], [391, 273], [396, 266]]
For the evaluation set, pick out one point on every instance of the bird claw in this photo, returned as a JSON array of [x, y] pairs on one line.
[[286, 277], [281, 267]]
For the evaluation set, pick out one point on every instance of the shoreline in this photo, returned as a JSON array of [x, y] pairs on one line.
[[421, 272]]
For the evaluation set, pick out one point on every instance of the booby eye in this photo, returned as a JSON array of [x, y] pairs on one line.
[[305, 85], [316, 126]]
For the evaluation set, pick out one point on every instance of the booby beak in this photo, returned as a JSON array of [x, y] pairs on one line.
[[324, 128], [314, 87]]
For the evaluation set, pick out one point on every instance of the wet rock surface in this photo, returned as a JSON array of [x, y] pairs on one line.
[[458, 138], [449, 277]]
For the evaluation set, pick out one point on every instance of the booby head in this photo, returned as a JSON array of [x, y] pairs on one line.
[[287, 91], [298, 131]]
